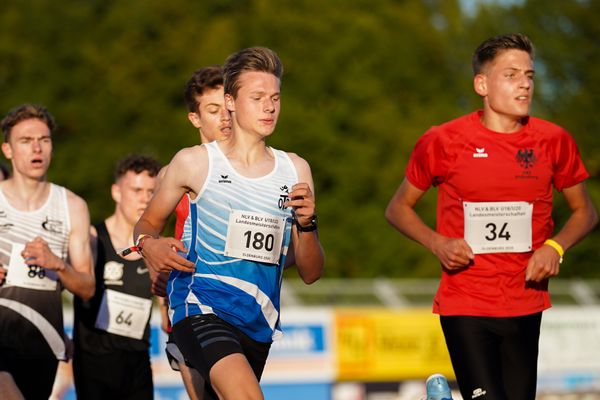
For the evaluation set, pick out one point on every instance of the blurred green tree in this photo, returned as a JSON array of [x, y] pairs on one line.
[[362, 82]]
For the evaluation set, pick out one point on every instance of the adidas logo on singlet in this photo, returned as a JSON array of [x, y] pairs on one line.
[[224, 179]]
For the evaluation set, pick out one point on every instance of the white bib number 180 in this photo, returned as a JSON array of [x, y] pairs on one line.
[[254, 236], [498, 227]]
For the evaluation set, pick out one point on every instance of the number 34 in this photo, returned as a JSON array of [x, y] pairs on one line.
[[493, 234]]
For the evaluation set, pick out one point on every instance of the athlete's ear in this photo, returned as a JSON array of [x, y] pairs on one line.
[[115, 191], [194, 119], [480, 84], [7, 150], [229, 103]]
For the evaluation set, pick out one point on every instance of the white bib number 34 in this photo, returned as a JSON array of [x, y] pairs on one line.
[[254, 236], [498, 227]]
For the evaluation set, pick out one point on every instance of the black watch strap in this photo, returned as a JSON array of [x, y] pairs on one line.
[[309, 228]]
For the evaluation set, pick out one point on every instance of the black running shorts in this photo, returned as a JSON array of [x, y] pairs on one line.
[[494, 358], [205, 339]]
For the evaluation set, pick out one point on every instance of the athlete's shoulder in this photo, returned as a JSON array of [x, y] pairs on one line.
[[189, 156], [293, 156], [448, 132], [162, 172], [300, 163], [73, 199], [546, 127], [455, 127], [75, 202], [192, 151], [185, 156]]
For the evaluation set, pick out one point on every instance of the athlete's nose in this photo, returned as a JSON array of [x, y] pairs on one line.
[[225, 115], [269, 105], [37, 146]]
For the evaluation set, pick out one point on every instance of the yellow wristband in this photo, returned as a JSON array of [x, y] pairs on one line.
[[557, 247]]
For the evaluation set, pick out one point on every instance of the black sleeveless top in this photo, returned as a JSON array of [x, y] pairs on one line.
[[115, 273]]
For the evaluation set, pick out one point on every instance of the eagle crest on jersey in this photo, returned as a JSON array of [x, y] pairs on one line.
[[526, 158]]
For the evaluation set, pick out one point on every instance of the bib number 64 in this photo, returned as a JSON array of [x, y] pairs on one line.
[[123, 318]]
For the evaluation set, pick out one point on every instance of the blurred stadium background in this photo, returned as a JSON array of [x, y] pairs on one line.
[[363, 80], [376, 339]]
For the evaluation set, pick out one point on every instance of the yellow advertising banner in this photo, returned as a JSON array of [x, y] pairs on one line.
[[381, 345]]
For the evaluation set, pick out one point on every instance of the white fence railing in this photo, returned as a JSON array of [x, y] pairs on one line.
[[410, 292]]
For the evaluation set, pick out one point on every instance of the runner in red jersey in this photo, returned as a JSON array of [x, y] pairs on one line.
[[205, 100], [181, 213], [495, 171]]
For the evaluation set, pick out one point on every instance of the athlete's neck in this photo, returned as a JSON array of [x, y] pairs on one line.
[[502, 123], [26, 194], [249, 156], [120, 230]]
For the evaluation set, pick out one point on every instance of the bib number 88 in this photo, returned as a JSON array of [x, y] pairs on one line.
[[36, 271], [493, 234], [259, 240]]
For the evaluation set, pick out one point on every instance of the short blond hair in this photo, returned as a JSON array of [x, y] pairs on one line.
[[259, 59]]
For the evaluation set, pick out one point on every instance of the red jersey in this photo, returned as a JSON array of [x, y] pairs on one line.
[[469, 163], [181, 212]]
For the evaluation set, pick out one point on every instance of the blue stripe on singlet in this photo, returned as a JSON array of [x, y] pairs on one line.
[[193, 309], [191, 256]]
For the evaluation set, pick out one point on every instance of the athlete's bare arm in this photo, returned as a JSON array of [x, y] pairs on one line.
[[159, 280], [545, 261], [9, 388], [308, 254], [77, 273], [160, 176], [453, 253], [186, 174]]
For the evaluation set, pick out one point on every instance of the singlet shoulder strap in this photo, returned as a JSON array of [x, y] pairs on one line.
[[104, 237]]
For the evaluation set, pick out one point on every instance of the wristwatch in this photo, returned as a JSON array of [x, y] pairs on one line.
[[309, 228]]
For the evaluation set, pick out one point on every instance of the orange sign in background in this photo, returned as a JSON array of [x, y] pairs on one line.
[[380, 345]]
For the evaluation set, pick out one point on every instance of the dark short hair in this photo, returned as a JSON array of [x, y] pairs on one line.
[[489, 49], [4, 170], [137, 163], [259, 59], [25, 112], [203, 79]]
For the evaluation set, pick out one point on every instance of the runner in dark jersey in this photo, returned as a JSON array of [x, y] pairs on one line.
[[112, 330]]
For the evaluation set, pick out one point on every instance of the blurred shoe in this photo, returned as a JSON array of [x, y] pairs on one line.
[[437, 388]]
